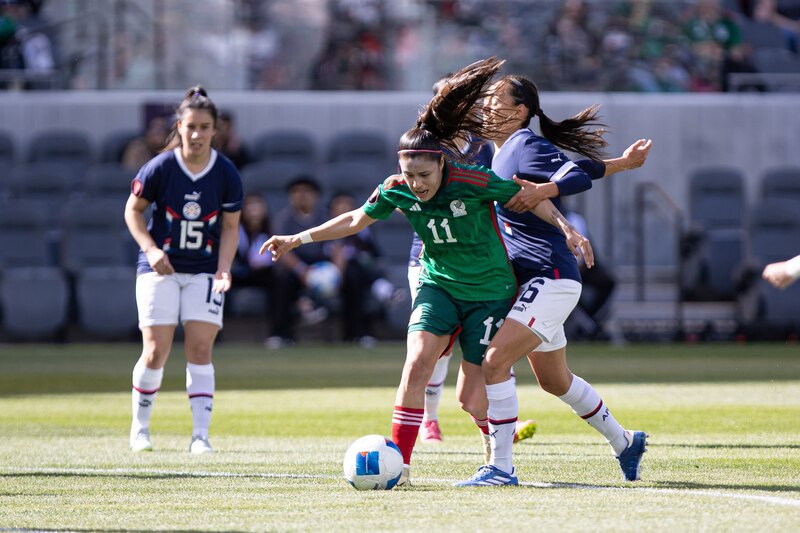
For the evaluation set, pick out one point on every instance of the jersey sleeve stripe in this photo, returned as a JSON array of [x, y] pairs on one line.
[[470, 181], [561, 172], [471, 173]]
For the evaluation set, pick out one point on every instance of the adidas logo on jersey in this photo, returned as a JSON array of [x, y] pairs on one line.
[[415, 207]]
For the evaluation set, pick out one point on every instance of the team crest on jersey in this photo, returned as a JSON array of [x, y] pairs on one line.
[[191, 211], [458, 208]]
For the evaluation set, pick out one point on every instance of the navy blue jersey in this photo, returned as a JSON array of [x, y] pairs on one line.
[[478, 153], [187, 209], [537, 248]]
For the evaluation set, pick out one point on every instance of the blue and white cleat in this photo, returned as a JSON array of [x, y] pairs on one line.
[[630, 459], [489, 476]]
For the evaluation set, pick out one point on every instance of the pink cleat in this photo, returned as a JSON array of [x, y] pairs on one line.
[[430, 432]]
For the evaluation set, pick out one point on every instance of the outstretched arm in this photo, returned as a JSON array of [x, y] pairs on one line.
[[633, 157], [532, 193], [344, 225], [578, 244]]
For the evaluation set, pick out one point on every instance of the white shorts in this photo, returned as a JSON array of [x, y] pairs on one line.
[[162, 300], [543, 306]]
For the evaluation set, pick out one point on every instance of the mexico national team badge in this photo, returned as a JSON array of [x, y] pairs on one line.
[[458, 208]]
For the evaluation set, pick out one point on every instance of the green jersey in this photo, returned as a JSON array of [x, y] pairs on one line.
[[463, 252]]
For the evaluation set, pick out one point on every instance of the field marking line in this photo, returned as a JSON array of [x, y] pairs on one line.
[[776, 500]]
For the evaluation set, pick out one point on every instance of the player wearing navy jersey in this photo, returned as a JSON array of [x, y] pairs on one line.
[[185, 260], [466, 281], [547, 270]]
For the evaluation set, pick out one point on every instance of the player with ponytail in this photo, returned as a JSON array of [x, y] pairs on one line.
[[466, 285]]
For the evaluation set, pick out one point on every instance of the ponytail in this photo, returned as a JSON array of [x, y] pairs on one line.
[[454, 113], [573, 134], [194, 98]]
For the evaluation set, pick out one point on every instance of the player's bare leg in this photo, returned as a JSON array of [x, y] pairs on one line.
[[556, 378], [430, 431]]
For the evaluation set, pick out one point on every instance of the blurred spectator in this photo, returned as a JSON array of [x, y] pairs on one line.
[[786, 17], [364, 291], [716, 43], [573, 48], [249, 268], [141, 149], [598, 286], [289, 274], [24, 43], [228, 142]]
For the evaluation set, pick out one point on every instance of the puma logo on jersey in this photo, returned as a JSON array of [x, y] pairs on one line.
[[415, 207], [195, 196], [556, 159]]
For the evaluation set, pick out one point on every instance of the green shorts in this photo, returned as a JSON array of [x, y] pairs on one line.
[[437, 312]]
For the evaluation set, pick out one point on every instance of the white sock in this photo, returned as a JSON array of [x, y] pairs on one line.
[[433, 390], [200, 387], [503, 411], [146, 383], [587, 404]]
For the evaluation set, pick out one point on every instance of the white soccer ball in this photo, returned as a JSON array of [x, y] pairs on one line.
[[373, 463], [323, 279]]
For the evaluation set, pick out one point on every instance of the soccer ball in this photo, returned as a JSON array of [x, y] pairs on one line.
[[323, 279], [373, 463]]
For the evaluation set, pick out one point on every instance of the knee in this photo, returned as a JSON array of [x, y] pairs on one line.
[[555, 386]]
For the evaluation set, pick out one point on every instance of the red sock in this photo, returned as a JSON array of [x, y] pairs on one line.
[[483, 425], [405, 428]]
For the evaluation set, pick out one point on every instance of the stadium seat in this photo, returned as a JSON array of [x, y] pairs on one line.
[[359, 178], [92, 235], [271, 178], [762, 35], [776, 60], [361, 145], [716, 224], [774, 237], [7, 159], [48, 184], [64, 145], [113, 145], [106, 301], [284, 145], [23, 237], [109, 180], [34, 302], [781, 182]]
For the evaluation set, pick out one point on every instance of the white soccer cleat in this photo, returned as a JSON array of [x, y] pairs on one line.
[[140, 441], [200, 445]]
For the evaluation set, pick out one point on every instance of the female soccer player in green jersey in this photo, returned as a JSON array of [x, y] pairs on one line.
[[467, 284]]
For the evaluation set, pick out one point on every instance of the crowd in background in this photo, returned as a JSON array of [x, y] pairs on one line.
[[566, 45]]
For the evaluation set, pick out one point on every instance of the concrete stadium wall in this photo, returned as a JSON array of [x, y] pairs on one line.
[[752, 132]]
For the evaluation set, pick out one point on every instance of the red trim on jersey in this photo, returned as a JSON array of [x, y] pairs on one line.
[[210, 216], [477, 174], [532, 320], [556, 273], [173, 213], [493, 217], [590, 415], [394, 183], [470, 181]]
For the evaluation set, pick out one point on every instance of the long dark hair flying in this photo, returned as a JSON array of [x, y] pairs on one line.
[[195, 98], [454, 112], [572, 134]]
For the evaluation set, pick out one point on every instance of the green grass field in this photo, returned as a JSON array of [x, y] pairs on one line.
[[724, 454]]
